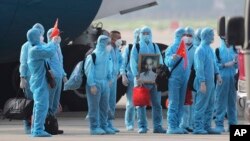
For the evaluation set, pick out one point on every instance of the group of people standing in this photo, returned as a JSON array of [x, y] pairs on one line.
[[106, 63]]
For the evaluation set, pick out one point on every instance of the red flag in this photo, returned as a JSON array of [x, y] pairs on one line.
[[182, 52], [55, 32]]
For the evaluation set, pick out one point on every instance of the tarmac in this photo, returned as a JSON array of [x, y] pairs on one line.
[[76, 128]]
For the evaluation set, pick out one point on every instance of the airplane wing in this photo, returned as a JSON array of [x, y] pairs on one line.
[[112, 7]]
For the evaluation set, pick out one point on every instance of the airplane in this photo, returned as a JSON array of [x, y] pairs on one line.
[[75, 18]]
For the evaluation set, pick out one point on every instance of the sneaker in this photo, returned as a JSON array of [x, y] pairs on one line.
[[115, 129], [201, 132], [175, 131], [97, 131], [220, 129], [189, 129], [109, 130], [142, 130], [159, 130], [213, 131], [130, 128], [41, 134]]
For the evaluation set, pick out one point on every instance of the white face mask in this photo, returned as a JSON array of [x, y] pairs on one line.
[[108, 48], [118, 43], [188, 40]]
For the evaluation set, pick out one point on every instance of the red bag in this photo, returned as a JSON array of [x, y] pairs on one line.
[[141, 96], [189, 98]]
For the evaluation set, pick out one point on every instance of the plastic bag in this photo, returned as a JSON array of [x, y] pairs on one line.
[[75, 79]]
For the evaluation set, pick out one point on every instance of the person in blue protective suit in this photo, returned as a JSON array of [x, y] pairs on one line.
[[99, 79], [226, 93], [147, 47], [206, 70], [187, 118], [197, 37], [25, 73], [128, 80], [56, 65], [116, 57], [37, 56], [177, 84]]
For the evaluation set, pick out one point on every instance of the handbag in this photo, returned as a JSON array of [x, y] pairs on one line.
[[49, 76], [163, 74], [19, 108], [141, 96]]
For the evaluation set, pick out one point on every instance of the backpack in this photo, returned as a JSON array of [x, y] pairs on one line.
[[84, 77], [78, 77]]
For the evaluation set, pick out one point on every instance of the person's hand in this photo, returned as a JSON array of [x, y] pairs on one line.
[[175, 56], [93, 90], [139, 81], [219, 79], [23, 83], [229, 64], [65, 79], [124, 80], [56, 39], [203, 87]]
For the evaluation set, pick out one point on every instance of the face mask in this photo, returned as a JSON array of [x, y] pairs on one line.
[[118, 43], [146, 38], [188, 40], [108, 48]]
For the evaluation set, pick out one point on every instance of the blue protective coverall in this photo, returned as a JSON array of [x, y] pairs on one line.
[[37, 55], [187, 118], [56, 65], [25, 72], [206, 68], [126, 70], [99, 75], [226, 93], [177, 85], [116, 58], [154, 94]]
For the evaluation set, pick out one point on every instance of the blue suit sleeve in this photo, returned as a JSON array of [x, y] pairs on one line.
[[200, 63], [110, 69], [46, 51], [170, 62], [23, 68], [89, 70], [124, 61], [134, 57], [61, 56], [120, 60], [159, 52], [216, 66]]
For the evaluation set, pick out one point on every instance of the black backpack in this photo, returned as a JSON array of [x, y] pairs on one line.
[[84, 77]]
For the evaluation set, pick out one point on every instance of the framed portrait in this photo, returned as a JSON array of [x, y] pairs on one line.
[[147, 67]]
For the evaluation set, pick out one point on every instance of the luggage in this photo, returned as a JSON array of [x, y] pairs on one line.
[[19, 108], [141, 96]]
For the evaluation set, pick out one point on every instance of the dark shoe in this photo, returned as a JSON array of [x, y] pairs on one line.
[[60, 132]]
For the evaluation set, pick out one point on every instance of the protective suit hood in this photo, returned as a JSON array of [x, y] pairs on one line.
[[189, 31], [39, 27], [207, 35], [48, 34], [102, 42], [33, 36], [146, 38], [197, 39], [179, 33]]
